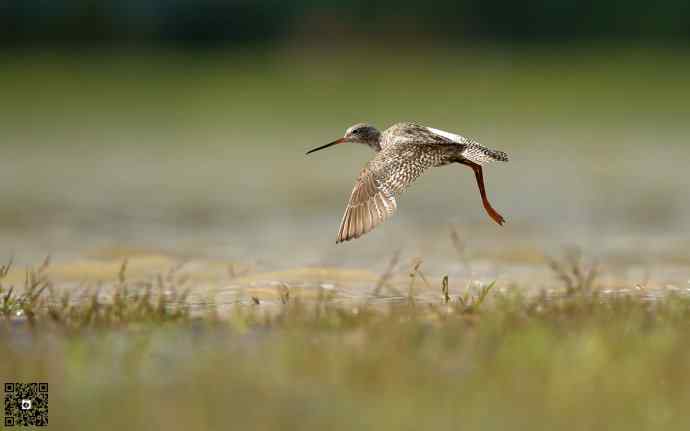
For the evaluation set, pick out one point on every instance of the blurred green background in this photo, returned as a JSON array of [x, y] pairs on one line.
[[172, 133], [181, 126]]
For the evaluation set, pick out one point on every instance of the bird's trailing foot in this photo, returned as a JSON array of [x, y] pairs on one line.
[[482, 191], [494, 214]]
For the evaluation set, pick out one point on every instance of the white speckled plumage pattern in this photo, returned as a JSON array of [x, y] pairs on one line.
[[407, 150]]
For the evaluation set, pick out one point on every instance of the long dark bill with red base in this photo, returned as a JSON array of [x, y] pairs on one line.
[[338, 141]]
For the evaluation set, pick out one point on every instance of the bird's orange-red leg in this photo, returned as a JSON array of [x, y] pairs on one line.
[[482, 191]]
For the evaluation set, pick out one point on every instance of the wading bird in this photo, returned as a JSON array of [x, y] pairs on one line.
[[403, 152]]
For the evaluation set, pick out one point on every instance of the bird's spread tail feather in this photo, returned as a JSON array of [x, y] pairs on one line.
[[482, 155]]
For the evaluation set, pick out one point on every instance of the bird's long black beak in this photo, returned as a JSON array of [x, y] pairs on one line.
[[338, 141]]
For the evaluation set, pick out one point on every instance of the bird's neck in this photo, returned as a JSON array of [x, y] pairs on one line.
[[375, 144]]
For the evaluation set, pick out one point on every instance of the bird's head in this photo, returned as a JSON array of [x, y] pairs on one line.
[[359, 134]]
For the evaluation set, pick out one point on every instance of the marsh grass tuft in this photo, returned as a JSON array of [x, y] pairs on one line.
[[468, 302], [573, 272], [284, 293], [444, 289], [127, 302], [26, 303], [472, 303], [383, 281]]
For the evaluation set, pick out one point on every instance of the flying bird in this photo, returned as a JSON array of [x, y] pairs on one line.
[[403, 152]]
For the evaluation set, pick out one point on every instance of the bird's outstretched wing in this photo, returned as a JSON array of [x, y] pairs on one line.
[[373, 198]]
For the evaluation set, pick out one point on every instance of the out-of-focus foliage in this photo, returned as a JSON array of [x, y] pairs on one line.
[[208, 23], [581, 359]]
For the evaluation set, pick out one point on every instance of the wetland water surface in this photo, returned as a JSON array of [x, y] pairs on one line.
[[216, 179], [237, 233]]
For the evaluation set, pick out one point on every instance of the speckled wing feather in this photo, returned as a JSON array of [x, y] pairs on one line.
[[472, 150], [373, 198], [466, 148]]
